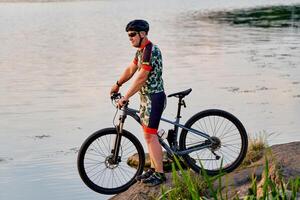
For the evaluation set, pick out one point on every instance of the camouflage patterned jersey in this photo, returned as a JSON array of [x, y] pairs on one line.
[[150, 59], [152, 94]]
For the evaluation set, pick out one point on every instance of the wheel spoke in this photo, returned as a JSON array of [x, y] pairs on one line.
[[96, 150], [93, 166], [223, 119]]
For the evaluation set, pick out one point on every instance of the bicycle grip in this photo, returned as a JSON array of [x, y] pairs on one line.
[[114, 96]]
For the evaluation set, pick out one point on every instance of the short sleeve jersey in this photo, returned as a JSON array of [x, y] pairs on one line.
[[150, 59]]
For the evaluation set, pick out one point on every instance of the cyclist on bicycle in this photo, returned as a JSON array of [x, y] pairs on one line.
[[147, 65]]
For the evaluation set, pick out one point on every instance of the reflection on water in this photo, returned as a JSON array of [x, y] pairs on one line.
[[58, 61]]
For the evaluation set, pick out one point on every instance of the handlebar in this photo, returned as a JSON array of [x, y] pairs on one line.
[[115, 97]]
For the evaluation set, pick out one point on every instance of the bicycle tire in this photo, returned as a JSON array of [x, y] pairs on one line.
[[210, 118], [92, 151]]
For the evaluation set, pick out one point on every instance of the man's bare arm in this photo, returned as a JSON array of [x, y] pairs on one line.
[[128, 73], [140, 80]]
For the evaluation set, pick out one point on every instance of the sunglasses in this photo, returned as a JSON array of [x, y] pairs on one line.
[[132, 34]]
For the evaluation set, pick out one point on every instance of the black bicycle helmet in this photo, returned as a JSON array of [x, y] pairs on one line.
[[137, 25]]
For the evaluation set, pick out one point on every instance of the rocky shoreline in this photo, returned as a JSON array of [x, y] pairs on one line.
[[283, 159]]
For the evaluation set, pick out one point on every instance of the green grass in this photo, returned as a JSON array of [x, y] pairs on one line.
[[185, 184], [272, 189], [188, 185]]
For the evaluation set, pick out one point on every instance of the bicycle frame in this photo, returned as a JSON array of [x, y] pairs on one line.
[[133, 113]]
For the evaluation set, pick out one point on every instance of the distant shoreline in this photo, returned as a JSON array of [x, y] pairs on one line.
[[39, 1]]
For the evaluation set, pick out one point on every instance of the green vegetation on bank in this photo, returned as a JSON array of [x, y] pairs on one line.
[[264, 17], [188, 185]]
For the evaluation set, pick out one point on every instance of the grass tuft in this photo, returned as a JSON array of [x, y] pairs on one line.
[[257, 145]]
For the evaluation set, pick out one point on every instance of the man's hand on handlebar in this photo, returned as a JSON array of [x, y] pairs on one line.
[[120, 101], [115, 96], [114, 89]]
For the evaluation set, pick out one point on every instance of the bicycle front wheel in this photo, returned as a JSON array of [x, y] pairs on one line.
[[229, 138], [95, 164]]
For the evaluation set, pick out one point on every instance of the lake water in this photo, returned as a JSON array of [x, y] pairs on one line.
[[58, 61]]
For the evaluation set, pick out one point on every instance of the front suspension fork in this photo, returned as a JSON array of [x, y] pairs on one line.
[[116, 150]]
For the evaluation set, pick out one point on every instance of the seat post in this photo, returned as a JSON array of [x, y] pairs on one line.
[[178, 114], [179, 108]]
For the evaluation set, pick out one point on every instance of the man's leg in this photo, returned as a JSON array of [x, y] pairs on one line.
[[155, 151], [152, 166], [151, 110], [156, 161], [156, 155]]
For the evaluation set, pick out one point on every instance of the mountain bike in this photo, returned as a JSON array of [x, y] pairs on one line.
[[214, 137]]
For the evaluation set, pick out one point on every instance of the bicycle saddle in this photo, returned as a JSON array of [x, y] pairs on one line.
[[181, 94]]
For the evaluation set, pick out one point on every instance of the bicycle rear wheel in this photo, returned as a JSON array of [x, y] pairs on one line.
[[95, 166], [229, 136]]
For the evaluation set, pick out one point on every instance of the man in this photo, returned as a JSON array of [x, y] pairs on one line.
[[147, 65]]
